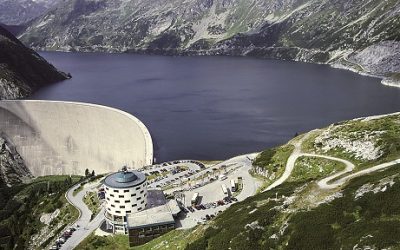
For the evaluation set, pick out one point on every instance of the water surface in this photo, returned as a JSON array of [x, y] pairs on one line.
[[217, 107]]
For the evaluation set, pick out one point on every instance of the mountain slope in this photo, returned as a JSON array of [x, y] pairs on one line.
[[16, 12], [12, 168], [362, 212], [22, 70], [361, 35]]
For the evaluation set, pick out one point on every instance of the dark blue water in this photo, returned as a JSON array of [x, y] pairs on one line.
[[217, 107]]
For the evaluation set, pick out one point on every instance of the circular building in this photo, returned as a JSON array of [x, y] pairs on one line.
[[125, 193]]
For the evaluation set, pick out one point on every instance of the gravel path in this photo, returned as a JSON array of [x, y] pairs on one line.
[[324, 183]]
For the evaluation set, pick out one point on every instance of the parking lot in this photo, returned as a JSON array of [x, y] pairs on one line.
[[172, 173], [212, 199]]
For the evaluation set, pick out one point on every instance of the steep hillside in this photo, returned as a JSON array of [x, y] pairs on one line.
[[322, 204], [22, 70], [12, 168], [360, 35], [13, 29], [16, 12], [25, 209]]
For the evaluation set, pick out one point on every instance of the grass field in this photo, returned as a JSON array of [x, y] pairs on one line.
[[313, 168]]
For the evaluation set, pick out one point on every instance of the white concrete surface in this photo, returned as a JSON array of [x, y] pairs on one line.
[[55, 137]]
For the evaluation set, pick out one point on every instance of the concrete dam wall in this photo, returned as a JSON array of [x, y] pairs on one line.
[[66, 138]]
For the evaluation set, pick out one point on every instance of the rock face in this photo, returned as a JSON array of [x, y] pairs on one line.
[[12, 168], [15, 12], [323, 31], [22, 70]]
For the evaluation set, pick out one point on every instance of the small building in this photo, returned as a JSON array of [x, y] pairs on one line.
[[125, 194], [149, 224]]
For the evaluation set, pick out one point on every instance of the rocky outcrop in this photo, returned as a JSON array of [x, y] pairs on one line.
[[22, 70], [16, 12], [345, 33], [12, 167]]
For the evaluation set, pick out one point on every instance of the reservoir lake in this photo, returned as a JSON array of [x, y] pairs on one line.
[[212, 108]]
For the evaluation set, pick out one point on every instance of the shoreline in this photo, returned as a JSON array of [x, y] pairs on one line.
[[384, 80]]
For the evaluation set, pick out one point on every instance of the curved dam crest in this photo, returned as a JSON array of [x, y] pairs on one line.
[[57, 137]]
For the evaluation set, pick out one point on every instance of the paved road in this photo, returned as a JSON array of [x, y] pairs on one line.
[[86, 227]]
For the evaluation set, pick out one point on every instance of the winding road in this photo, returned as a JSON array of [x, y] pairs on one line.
[[86, 227], [290, 164], [326, 182]]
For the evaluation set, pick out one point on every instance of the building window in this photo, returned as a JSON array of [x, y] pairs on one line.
[[121, 206], [116, 191], [129, 211], [139, 198], [134, 205], [142, 191], [137, 188], [112, 205], [118, 212], [139, 209], [126, 191], [142, 202], [133, 195], [108, 198], [111, 195], [120, 196], [106, 188], [127, 201]]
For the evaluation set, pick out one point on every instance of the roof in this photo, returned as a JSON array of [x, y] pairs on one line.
[[156, 216], [124, 179], [155, 198], [174, 207]]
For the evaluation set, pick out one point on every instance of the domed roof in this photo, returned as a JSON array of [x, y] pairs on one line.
[[124, 179], [125, 176]]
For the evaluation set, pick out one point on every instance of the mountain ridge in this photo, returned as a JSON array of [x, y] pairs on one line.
[[343, 34], [22, 70], [17, 12]]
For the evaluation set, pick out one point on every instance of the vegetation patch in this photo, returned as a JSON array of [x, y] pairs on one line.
[[22, 206], [313, 168], [94, 242], [176, 239], [270, 164], [92, 201]]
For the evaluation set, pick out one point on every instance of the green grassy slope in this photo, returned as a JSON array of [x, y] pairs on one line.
[[299, 214], [22, 205]]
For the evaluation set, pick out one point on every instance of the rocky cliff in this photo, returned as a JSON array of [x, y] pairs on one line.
[[363, 36], [12, 167], [22, 70], [16, 12]]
